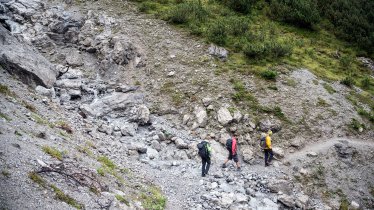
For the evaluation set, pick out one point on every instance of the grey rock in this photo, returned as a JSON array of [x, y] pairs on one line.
[[25, 8], [181, 144], [74, 59], [117, 104], [156, 145], [344, 150], [266, 124], [69, 83], [354, 205], [45, 91], [108, 129], [224, 116], [227, 199], [302, 201], [240, 198], [219, 52], [312, 154], [129, 129], [201, 116], [142, 114], [186, 119], [20, 59], [152, 154], [280, 185], [287, 200], [207, 101], [278, 152], [237, 116], [247, 154], [297, 142]]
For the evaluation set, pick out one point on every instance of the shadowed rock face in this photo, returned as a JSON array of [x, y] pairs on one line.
[[22, 60]]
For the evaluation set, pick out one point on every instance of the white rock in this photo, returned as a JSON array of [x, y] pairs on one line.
[[312, 154], [354, 205], [224, 116], [201, 116], [278, 152]]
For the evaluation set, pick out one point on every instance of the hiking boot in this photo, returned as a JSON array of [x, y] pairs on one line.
[[239, 169], [224, 166], [203, 175], [267, 164]]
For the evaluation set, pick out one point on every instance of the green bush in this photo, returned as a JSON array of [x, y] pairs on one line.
[[147, 6], [351, 20], [217, 32], [270, 48], [254, 50], [237, 25], [242, 6], [302, 13], [365, 82], [348, 81], [188, 11], [269, 74]]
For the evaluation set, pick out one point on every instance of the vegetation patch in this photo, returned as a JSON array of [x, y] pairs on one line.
[[322, 103], [5, 173], [29, 106], [66, 198], [356, 125], [53, 152], [329, 89], [64, 126], [107, 162], [122, 200], [58, 193], [269, 74], [152, 198], [5, 91], [38, 119], [4, 116]]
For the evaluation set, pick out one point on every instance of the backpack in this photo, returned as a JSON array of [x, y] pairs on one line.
[[229, 144], [263, 142], [203, 149]]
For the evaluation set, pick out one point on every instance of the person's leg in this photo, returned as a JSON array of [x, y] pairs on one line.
[[227, 160], [207, 166], [266, 157], [271, 155], [236, 160], [203, 161]]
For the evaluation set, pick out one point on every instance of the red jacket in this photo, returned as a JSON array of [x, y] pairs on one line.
[[233, 147]]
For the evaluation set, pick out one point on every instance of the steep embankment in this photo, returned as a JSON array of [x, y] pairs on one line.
[[132, 98]]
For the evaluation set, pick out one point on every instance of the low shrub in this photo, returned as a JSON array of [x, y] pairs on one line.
[[187, 11], [217, 32], [147, 6], [348, 81], [242, 6], [269, 74]]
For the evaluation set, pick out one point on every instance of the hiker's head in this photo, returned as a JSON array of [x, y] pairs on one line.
[[270, 132]]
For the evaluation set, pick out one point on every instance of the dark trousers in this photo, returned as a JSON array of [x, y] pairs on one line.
[[268, 155], [205, 166]]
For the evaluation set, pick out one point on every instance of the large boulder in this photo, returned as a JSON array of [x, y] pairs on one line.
[[224, 116], [219, 52], [116, 104], [265, 125], [21, 59], [247, 154], [141, 114], [25, 8], [201, 116]]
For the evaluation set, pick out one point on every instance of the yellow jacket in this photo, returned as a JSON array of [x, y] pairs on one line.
[[268, 142]]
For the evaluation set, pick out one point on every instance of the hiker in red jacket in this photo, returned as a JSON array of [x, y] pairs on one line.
[[231, 146]]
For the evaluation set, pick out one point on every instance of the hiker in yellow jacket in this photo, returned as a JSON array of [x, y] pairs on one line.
[[268, 150]]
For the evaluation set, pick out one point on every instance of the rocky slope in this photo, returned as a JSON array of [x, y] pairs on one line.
[[113, 104]]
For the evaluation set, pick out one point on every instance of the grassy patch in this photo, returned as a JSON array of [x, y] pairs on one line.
[[356, 125], [101, 171], [64, 126], [37, 179], [269, 74], [152, 198], [52, 152], [38, 119], [66, 198], [122, 200], [322, 103], [5, 173], [5, 91], [290, 82], [329, 89], [107, 162], [17, 133], [29, 106], [4, 116], [85, 150]]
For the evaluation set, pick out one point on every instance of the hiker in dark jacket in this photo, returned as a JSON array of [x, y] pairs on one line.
[[205, 152], [231, 146]]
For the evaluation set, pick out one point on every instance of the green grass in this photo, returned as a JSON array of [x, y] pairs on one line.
[[4, 116], [107, 162], [122, 200], [258, 43], [5, 173], [58, 193], [153, 199], [322, 103], [53, 152], [101, 171], [29, 106], [66, 198], [5, 91], [38, 119], [64, 126], [37, 179], [329, 89]]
